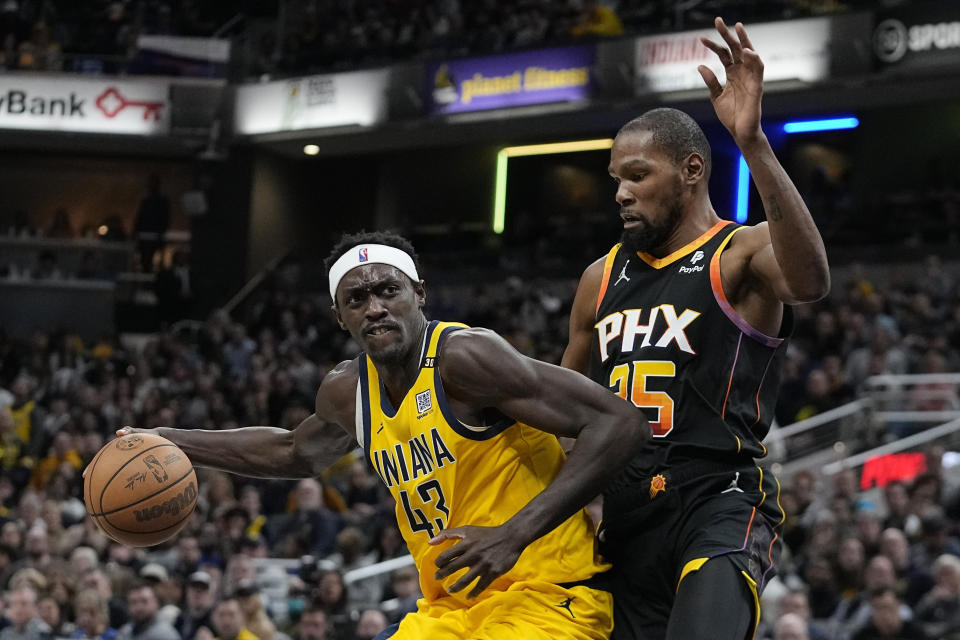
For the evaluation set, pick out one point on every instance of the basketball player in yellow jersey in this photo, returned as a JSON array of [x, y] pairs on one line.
[[461, 428]]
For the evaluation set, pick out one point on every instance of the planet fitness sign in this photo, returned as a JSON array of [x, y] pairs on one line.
[[535, 77]]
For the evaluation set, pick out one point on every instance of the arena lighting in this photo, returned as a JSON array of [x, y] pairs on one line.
[[828, 124], [500, 188], [797, 126], [311, 149], [743, 190]]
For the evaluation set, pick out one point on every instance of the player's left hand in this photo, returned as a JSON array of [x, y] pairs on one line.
[[738, 102], [489, 552]]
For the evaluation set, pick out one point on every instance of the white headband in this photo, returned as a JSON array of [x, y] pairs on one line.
[[370, 254]]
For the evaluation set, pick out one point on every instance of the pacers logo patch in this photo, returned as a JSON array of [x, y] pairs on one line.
[[424, 402], [658, 484]]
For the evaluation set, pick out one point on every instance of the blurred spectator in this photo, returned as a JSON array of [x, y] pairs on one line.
[[790, 626], [39, 53], [228, 622], [404, 589], [238, 351], [198, 605], [152, 222], [939, 610], [49, 611], [912, 580], [350, 556], [868, 528], [14, 459], [331, 595], [167, 589], [887, 620], [174, 289], [313, 625], [27, 414], [370, 624], [255, 617], [817, 397], [597, 20], [882, 355], [312, 528], [935, 539], [96, 580], [145, 624], [92, 616], [62, 452], [850, 566], [823, 596], [25, 622], [898, 507]]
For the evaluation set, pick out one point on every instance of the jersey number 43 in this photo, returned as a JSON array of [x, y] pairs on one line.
[[429, 495]]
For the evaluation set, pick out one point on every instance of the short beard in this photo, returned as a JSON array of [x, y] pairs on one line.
[[647, 236], [395, 355]]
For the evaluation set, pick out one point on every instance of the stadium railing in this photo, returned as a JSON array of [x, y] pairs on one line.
[[895, 413]]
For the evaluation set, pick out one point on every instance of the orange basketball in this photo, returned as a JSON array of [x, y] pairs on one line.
[[140, 489]]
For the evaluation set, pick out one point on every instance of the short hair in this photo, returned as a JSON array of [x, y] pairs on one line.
[[139, 584], [90, 598], [946, 561], [229, 600], [675, 133], [388, 238], [314, 607]]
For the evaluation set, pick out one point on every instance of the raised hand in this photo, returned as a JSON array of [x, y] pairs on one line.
[[489, 552], [738, 102]]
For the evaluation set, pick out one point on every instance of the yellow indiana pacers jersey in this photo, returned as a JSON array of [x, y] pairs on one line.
[[446, 474]]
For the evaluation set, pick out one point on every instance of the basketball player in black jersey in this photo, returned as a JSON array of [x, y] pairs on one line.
[[686, 318]]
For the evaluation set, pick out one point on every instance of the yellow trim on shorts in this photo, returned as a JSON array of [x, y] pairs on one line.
[[756, 602], [760, 487], [690, 567], [697, 563]]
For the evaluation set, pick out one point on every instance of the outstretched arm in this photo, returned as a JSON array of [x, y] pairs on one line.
[[582, 318], [480, 369], [788, 253], [271, 452]]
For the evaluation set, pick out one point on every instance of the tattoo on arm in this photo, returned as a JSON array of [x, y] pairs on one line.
[[774, 213]]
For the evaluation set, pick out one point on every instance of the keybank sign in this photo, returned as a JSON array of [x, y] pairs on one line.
[[67, 103]]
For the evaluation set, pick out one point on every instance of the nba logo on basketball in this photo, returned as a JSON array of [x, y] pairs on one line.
[[363, 254]]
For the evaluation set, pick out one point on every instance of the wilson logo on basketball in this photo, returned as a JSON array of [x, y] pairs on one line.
[[172, 506]]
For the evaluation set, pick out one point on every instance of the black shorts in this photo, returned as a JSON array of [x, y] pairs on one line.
[[656, 531]]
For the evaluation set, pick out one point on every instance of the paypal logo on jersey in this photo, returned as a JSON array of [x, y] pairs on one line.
[[697, 257]]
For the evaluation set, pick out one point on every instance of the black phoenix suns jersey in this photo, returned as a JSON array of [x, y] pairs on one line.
[[667, 339]]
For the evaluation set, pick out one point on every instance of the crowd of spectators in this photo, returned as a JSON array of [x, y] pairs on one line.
[[97, 37], [905, 323], [851, 562]]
